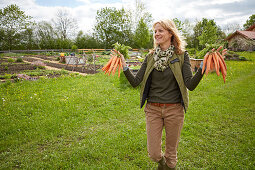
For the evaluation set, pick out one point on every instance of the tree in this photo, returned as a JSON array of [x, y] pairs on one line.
[[231, 28], [249, 22], [28, 40], [142, 21], [211, 33], [86, 41], [65, 25], [142, 35], [113, 25], [45, 35], [139, 13], [13, 22], [185, 29]]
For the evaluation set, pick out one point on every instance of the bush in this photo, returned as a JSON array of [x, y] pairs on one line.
[[74, 48], [6, 76], [230, 55], [191, 51], [106, 52], [19, 60], [39, 64], [242, 58], [11, 60]]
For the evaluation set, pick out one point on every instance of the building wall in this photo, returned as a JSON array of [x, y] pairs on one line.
[[239, 43]]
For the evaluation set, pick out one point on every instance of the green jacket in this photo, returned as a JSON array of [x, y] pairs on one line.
[[176, 63], [180, 67]]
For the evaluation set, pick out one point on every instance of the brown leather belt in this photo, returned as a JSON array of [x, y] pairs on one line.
[[163, 104]]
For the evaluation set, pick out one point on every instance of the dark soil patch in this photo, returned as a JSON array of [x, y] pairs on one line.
[[13, 67], [50, 58], [89, 68]]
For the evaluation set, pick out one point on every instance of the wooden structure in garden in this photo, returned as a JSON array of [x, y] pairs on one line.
[[242, 40], [81, 60]]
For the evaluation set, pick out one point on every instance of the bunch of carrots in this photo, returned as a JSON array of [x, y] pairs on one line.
[[113, 64], [214, 60]]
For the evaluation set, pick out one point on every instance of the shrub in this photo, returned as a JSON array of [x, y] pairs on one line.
[[242, 58], [11, 60], [19, 60], [192, 51], [106, 52], [38, 64], [74, 48], [6, 76]]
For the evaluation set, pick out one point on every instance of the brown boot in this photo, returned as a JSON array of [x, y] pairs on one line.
[[162, 164], [167, 168]]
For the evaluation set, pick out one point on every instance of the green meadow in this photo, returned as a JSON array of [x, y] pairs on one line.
[[94, 122]]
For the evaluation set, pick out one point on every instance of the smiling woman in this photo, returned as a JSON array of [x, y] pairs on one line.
[[165, 76]]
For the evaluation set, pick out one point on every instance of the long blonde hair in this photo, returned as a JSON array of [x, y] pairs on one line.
[[177, 39]]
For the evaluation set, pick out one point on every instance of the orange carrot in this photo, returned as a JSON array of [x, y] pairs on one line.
[[223, 71], [204, 62], [208, 64], [112, 64], [224, 52], [216, 60], [115, 66], [222, 59], [120, 68], [108, 63], [219, 48]]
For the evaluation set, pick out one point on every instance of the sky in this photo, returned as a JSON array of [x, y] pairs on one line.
[[224, 12]]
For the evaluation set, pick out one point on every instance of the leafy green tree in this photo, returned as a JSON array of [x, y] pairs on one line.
[[46, 36], [13, 22], [142, 35], [209, 35], [249, 22], [140, 16], [86, 41], [28, 40], [113, 25], [185, 29], [206, 31]]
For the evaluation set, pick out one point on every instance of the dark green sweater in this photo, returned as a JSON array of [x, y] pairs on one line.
[[164, 88]]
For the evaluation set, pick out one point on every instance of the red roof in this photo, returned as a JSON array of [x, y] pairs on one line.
[[250, 28], [246, 34]]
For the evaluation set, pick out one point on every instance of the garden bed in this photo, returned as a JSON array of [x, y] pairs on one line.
[[13, 67], [88, 69], [10, 68]]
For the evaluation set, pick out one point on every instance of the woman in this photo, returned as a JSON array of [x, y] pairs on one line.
[[164, 76]]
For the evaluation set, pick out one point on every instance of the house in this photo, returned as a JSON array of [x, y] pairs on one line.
[[242, 40]]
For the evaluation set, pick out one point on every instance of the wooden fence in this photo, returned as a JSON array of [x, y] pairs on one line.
[[58, 50]]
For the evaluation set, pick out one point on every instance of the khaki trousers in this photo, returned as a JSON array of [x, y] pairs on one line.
[[157, 117]]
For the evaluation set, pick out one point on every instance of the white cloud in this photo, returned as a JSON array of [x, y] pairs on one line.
[[222, 11]]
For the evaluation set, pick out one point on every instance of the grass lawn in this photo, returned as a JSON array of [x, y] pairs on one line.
[[94, 122]]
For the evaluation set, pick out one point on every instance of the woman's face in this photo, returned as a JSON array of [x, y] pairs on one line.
[[162, 36]]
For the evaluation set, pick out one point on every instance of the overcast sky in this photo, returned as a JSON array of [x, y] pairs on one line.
[[222, 11]]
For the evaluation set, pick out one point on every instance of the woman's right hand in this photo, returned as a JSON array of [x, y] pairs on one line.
[[123, 61]]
